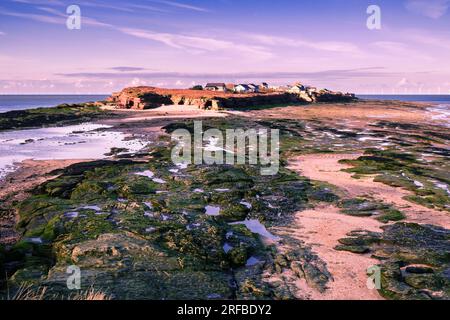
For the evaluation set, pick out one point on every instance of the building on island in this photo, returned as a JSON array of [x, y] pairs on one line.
[[242, 88], [297, 89], [216, 87], [253, 87]]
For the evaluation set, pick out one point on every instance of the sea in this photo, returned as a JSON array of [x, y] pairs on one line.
[[440, 104], [434, 99], [82, 141], [23, 102]]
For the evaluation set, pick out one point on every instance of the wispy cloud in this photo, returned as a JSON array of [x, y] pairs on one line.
[[34, 17], [180, 5], [430, 39], [124, 7], [39, 2], [180, 41], [56, 17], [332, 46], [2, 33], [430, 8], [400, 49], [146, 7], [370, 72], [127, 69], [97, 4]]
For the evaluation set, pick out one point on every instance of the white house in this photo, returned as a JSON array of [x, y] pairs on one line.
[[253, 87], [216, 87], [242, 88]]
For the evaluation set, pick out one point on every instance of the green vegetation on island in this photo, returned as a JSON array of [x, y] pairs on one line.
[[62, 115]]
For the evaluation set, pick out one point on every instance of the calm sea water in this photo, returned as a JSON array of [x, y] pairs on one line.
[[440, 108], [22, 102], [435, 99]]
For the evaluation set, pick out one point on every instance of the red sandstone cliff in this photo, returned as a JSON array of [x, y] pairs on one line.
[[150, 97]]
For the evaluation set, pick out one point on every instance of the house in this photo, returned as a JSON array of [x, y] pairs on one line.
[[253, 87], [297, 89], [230, 87], [216, 87], [242, 88], [264, 86], [311, 90]]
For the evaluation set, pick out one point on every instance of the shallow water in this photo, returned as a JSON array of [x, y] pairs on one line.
[[252, 261], [441, 113], [257, 227], [212, 211], [227, 247], [148, 174], [83, 141]]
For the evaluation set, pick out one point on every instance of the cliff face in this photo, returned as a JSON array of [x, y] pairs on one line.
[[148, 97]]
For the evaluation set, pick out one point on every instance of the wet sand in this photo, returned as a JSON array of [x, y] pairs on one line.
[[326, 167], [321, 228]]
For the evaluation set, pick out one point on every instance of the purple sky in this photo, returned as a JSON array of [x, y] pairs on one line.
[[179, 43]]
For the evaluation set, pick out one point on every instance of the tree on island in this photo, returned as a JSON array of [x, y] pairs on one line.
[[197, 87]]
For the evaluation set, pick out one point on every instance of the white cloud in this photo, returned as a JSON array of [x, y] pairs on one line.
[[56, 17], [332, 46], [181, 5], [204, 44], [35, 17], [427, 38], [430, 8], [400, 49], [2, 33], [37, 2]]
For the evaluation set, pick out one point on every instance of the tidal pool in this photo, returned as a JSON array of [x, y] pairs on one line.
[[257, 227], [83, 141]]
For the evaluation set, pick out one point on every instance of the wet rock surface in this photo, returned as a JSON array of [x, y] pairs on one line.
[[361, 207], [137, 235], [414, 259]]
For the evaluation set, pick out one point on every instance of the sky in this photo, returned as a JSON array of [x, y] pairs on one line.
[[176, 44]]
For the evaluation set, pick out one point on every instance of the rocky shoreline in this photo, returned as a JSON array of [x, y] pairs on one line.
[[61, 115], [139, 227]]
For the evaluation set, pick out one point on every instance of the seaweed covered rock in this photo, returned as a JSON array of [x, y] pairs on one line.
[[142, 229], [361, 207], [58, 116], [415, 259]]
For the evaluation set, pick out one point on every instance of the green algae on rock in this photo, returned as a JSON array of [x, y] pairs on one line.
[[361, 207], [123, 228], [415, 259], [61, 115]]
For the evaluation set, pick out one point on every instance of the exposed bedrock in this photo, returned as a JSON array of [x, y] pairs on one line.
[[147, 97]]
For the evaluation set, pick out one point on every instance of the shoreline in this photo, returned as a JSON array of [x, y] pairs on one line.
[[320, 227]]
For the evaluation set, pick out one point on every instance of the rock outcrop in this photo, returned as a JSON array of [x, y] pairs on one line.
[[149, 97]]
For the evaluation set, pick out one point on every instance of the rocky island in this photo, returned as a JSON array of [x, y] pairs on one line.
[[142, 98]]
